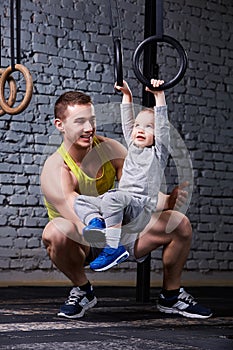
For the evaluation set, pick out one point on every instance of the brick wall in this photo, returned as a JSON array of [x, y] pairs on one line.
[[67, 45]]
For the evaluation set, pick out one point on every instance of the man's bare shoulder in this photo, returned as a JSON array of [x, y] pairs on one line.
[[52, 168], [112, 147], [53, 161]]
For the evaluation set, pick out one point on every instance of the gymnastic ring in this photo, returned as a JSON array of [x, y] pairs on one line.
[[118, 62], [13, 92], [183, 60], [28, 94]]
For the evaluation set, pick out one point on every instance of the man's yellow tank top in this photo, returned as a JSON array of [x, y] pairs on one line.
[[87, 185]]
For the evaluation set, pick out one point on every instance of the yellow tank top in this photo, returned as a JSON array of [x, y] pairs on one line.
[[87, 185]]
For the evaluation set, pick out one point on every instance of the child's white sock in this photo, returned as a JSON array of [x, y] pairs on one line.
[[113, 236]]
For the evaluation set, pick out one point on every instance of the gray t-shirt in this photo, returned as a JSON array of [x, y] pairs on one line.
[[144, 167]]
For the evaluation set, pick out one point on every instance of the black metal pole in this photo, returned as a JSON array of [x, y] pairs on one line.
[[150, 67], [152, 26]]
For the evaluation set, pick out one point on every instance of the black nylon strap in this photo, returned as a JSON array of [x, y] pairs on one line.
[[159, 18], [118, 67], [18, 30], [15, 4], [12, 29]]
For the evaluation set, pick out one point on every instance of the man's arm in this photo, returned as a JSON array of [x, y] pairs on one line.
[[58, 186], [116, 153]]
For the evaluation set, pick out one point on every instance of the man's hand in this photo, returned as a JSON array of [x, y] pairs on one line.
[[178, 197]]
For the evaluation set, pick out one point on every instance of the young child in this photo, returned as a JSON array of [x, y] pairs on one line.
[[129, 207]]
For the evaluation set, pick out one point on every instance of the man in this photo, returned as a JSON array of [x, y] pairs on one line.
[[89, 164]]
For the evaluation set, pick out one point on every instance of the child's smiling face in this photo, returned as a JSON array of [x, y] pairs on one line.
[[143, 131]]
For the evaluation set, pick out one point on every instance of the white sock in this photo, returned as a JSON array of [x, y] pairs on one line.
[[113, 236]]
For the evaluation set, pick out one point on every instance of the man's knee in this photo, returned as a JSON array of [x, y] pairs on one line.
[[57, 230], [184, 228], [48, 233]]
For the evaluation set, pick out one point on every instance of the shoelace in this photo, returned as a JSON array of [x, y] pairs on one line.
[[107, 251], [75, 295], [103, 255], [187, 297]]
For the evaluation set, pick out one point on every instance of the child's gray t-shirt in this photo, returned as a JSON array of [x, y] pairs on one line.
[[144, 167]]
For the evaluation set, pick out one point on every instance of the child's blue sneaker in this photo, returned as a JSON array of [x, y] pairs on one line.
[[108, 258], [94, 232]]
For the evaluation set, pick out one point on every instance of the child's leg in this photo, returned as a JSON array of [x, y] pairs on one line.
[[112, 206], [87, 208], [113, 236]]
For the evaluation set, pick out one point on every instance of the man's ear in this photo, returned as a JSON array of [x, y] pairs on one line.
[[59, 124]]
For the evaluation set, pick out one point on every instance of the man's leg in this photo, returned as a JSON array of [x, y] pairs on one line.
[[68, 252], [63, 244], [176, 246]]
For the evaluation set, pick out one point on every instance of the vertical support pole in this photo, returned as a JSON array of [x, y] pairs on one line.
[[151, 27], [143, 281], [150, 69]]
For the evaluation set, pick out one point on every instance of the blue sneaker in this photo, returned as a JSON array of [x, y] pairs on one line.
[[94, 232], [108, 258], [183, 304], [77, 303]]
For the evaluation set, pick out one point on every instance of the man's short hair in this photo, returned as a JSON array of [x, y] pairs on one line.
[[69, 98]]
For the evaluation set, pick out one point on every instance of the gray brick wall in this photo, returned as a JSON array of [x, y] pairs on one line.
[[67, 45]]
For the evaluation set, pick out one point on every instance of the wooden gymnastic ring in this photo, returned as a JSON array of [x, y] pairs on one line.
[[13, 91], [28, 94]]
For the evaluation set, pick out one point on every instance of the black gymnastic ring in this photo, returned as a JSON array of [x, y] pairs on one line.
[[118, 68], [182, 55]]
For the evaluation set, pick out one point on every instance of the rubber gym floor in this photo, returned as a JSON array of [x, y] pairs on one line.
[[28, 320]]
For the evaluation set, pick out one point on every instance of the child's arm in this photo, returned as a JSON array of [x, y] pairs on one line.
[[127, 112], [127, 94], [162, 133], [158, 95]]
